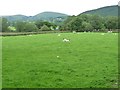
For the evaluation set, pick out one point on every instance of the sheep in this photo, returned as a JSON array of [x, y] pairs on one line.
[[102, 33], [74, 32], [29, 35], [59, 35], [84, 31], [109, 31], [66, 40], [58, 56]]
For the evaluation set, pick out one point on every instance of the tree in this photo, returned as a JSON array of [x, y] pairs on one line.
[[40, 23], [91, 22], [86, 17], [45, 28], [86, 26], [26, 27], [5, 25], [20, 26], [67, 23], [118, 22], [30, 27], [75, 24], [97, 22], [111, 22], [0, 24]]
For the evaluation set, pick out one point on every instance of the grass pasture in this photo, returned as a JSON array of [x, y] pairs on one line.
[[89, 60]]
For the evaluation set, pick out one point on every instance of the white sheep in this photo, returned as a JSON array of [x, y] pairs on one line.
[[84, 31], [109, 31], [59, 35], [58, 56], [74, 32], [29, 35], [102, 33], [66, 40]]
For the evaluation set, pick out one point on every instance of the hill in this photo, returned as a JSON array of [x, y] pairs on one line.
[[53, 17], [104, 11], [46, 16], [16, 17], [58, 18]]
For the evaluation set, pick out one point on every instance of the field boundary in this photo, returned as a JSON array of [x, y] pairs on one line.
[[29, 33], [44, 32]]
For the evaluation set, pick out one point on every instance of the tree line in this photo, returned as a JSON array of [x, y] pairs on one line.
[[86, 22], [80, 23], [27, 26]]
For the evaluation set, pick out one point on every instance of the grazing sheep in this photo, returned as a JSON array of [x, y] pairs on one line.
[[58, 56], [29, 35], [84, 31], [102, 33], [59, 35], [66, 40], [74, 32], [109, 31]]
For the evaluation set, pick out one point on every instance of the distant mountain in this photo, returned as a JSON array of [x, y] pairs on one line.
[[57, 18], [104, 11], [46, 16], [16, 17]]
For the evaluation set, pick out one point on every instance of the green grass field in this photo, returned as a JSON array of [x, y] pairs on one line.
[[89, 60]]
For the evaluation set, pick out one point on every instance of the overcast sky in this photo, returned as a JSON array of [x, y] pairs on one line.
[[33, 7]]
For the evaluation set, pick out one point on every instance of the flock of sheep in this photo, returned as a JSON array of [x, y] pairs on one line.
[[74, 32], [68, 40], [65, 40]]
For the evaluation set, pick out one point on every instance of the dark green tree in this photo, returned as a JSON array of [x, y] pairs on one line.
[[40, 23], [0, 24], [20, 26], [97, 22], [111, 23], [5, 25], [86, 26], [30, 27], [75, 24]]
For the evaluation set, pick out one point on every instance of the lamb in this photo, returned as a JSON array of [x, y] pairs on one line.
[[66, 40]]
